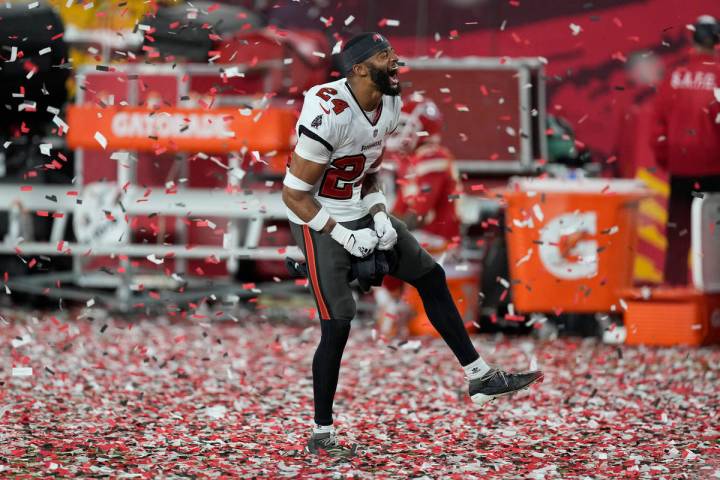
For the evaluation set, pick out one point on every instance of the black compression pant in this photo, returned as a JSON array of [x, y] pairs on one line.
[[443, 314], [326, 366], [441, 311]]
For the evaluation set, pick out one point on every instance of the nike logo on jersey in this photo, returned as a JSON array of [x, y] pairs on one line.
[[323, 109]]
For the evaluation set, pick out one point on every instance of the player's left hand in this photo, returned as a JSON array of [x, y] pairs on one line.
[[385, 231]]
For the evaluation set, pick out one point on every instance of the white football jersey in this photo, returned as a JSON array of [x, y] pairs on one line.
[[334, 130]]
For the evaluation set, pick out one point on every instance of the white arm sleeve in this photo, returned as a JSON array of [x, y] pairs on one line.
[[311, 149]]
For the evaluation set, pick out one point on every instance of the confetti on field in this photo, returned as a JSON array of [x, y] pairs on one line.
[[234, 400], [100, 138]]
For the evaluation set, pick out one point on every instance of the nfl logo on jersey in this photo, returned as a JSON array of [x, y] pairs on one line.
[[375, 132], [317, 122]]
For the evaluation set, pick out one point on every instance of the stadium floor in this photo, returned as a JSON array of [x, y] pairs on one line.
[[153, 399]]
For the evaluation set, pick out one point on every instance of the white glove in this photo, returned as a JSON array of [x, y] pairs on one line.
[[385, 230], [360, 243]]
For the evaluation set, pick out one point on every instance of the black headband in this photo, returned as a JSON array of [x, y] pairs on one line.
[[362, 49]]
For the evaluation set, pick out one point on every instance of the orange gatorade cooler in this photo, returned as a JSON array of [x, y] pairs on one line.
[[571, 243]]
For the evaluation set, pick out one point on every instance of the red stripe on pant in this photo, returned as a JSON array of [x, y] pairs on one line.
[[312, 271]]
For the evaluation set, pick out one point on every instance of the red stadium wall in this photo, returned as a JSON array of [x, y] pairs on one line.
[[587, 43]]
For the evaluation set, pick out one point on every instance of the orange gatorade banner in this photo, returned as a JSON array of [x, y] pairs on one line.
[[211, 131]]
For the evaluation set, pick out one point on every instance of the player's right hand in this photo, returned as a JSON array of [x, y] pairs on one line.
[[359, 243]]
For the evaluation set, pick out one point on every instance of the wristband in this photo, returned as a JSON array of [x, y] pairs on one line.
[[319, 220], [340, 234]]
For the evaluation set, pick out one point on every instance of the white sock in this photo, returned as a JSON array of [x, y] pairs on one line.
[[323, 428], [476, 369]]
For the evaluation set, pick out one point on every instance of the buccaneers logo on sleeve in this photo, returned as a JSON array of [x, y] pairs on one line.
[[317, 122]]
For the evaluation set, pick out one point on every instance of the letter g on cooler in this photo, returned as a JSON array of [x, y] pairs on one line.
[[567, 250]]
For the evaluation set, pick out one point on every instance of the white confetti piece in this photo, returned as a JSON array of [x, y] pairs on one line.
[[392, 23], [121, 156], [537, 211], [576, 29], [234, 72], [526, 258], [155, 260], [100, 138], [411, 345], [271, 229], [90, 302], [22, 372], [623, 304], [19, 342], [13, 54], [216, 412], [33, 5], [45, 148], [349, 20], [319, 54], [45, 50], [27, 105], [287, 61]]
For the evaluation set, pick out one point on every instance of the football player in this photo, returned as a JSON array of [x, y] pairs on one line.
[[337, 212]]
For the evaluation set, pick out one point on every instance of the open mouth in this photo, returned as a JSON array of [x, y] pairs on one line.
[[393, 76]]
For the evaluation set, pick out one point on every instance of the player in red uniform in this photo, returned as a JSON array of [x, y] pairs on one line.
[[426, 197]]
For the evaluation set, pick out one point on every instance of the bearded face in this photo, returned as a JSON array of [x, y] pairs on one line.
[[386, 79]]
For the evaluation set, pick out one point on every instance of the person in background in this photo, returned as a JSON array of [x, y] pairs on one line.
[[686, 139], [427, 189]]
